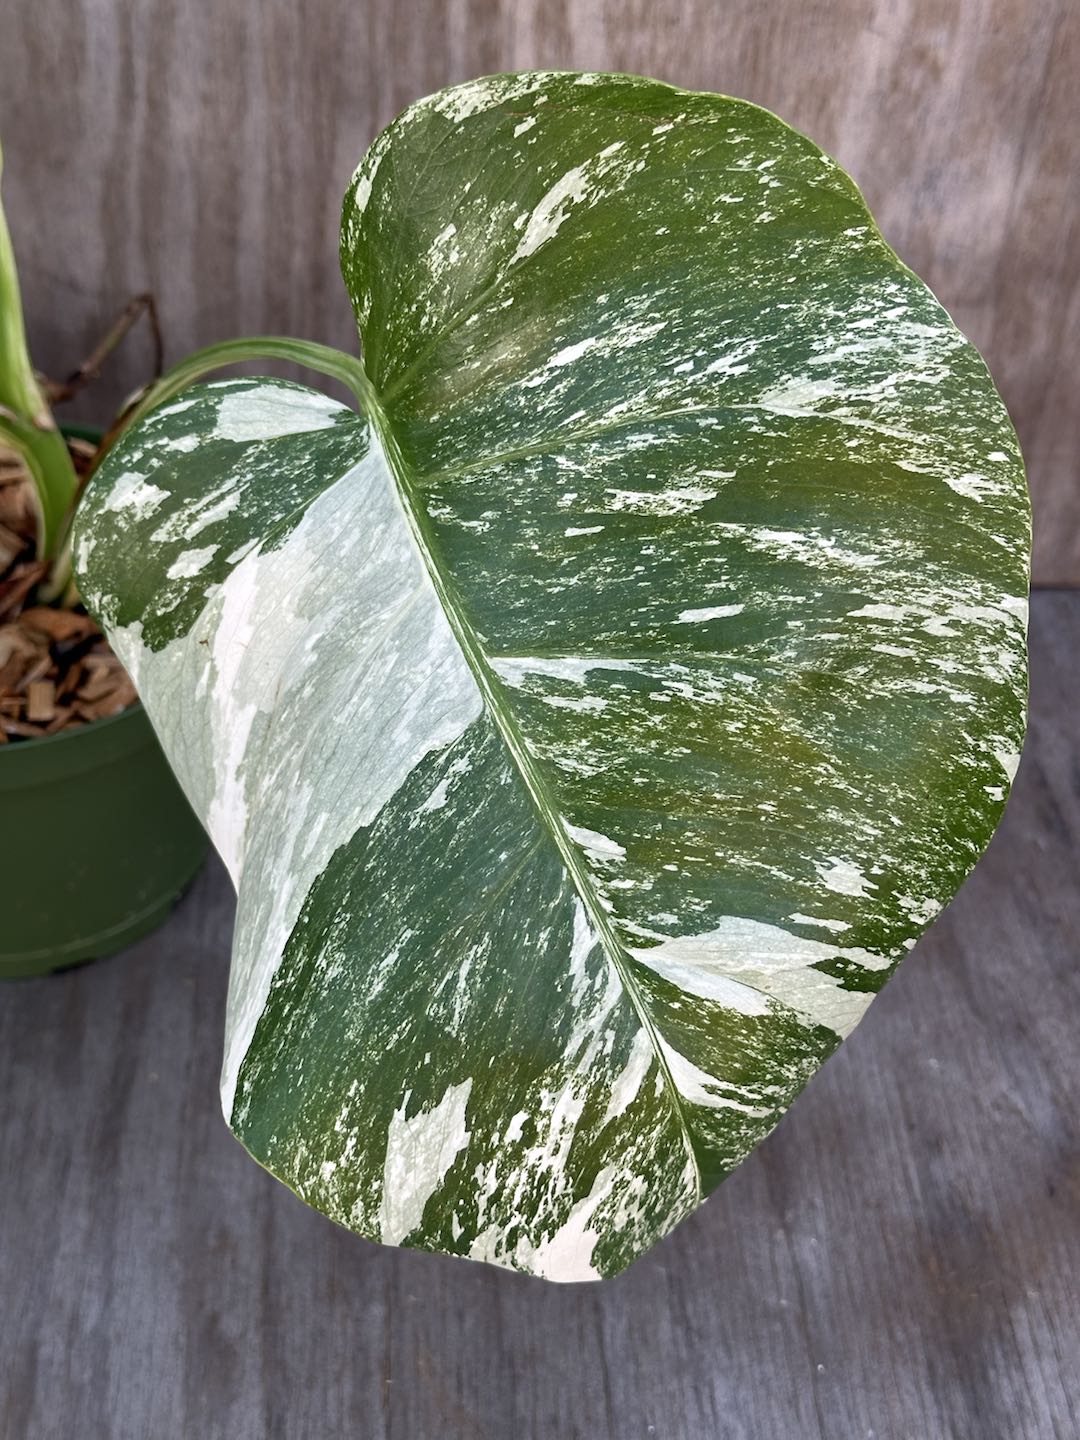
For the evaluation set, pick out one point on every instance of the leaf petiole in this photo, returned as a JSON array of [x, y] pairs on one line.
[[323, 359]]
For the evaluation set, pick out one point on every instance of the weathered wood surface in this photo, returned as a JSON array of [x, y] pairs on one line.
[[200, 149], [901, 1258]]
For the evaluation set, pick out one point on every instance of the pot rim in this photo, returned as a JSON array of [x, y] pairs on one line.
[[43, 760], [22, 746]]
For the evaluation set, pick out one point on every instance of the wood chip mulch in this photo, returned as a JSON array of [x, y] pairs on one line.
[[56, 670]]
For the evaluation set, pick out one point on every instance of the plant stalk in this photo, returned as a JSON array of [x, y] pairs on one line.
[[323, 359], [26, 423]]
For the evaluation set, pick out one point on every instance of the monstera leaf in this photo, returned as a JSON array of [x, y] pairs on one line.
[[592, 721]]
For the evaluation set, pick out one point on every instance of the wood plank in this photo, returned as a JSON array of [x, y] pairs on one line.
[[201, 152], [899, 1259]]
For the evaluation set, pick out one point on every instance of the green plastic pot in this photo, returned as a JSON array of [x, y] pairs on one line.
[[97, 841]]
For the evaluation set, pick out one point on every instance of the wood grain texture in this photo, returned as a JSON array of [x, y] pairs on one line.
[[899, 1259], [200, 150]]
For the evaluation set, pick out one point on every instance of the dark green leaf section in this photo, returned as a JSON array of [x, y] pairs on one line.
[[231, 465], [734, 510], [443, 952]]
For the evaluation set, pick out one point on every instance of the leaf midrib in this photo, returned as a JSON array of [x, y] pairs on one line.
[[535, 785]]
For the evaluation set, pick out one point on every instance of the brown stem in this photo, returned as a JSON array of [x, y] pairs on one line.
[[59, 391]]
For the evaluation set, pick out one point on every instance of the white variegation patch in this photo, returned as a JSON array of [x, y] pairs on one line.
[[419, 1152], [741, 956], [263, 651], [243, 417], [134, 492]]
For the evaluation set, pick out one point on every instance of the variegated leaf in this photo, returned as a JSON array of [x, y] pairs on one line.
[[592, 723]]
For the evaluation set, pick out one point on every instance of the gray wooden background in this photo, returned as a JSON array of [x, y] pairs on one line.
[[199, 149]]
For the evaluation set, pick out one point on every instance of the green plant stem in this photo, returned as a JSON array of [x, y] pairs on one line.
[[56, 484], [26, 423], [309, 353]]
